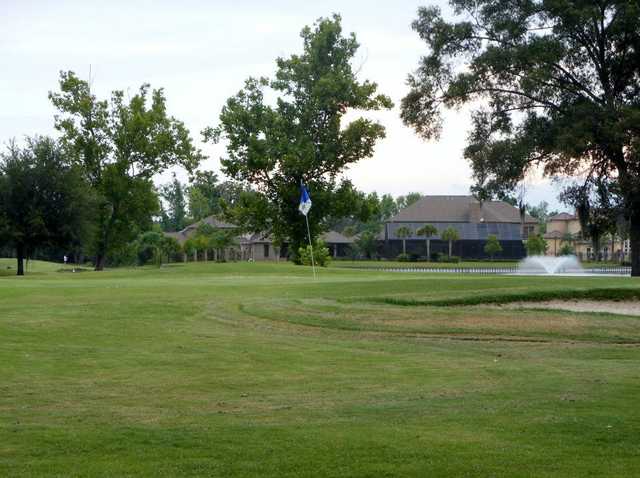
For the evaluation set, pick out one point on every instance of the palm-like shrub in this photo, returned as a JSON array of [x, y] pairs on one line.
[[428, 231], [403, 232], [450, 234]]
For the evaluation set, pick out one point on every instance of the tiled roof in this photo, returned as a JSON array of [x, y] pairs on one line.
[[554, 235], [460, 209], [563, 216], [334, 237]]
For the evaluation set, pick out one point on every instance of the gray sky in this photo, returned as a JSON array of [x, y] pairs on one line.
[[201, 52]]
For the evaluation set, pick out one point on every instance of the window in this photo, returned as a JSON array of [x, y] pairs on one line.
[[266, 250], [528, 231]]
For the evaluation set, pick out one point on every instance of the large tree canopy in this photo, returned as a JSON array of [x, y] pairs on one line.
[[300, 137], [121, 145], [558, 82], [44, 199]]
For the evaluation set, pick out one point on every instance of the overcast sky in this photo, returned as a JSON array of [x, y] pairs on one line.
[[201, 52]]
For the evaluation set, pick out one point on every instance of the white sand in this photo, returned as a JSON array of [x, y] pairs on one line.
[[627, 307]]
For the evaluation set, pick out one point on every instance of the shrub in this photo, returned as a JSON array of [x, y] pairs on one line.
[[492, 246], [321, 255], [536, 245], [566, 250], [440, 257], [403, 257]]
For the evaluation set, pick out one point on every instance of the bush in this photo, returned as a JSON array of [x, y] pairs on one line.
[[440, 257], [566, 250], [321, 255], [536, 245], [403, 257]]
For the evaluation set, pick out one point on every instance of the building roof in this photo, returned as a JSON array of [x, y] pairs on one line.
[[554, 235], [563, 216], [334, 237], [190, 230], [212, 221], [460, 209]]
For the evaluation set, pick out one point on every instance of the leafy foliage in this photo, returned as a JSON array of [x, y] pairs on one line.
[[566, 250], [44, 200], [120, 144], [321, 254], [402, 233], [597, 204], [558, 83], [492, 246], [174, 217], [536, 245], [301, 138], [428, 231], [153, 246], [450, 234], [367, 244]]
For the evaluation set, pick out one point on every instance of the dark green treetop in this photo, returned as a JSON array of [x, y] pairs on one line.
[[120, 144], [300, 136], [556, 85]]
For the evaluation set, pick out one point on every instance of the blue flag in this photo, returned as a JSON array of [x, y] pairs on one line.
[[305, 201]]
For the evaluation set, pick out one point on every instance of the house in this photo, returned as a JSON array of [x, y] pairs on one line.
[[256, 247], [564, 229], [474, 221]]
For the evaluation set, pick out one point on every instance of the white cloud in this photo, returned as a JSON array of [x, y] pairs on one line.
[[202, 51]]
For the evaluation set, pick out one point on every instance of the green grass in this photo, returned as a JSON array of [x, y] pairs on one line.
[[372, 264], [8, 267], [421, 264], [256, 370]]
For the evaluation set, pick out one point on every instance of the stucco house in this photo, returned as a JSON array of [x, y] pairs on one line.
[[565, 229], [473, 220]]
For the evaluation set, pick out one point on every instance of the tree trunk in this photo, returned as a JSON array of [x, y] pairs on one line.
[[428, 250], [20, 258], [100, 260], [634, 239], [450, 247], [206, 258], [404, 246]]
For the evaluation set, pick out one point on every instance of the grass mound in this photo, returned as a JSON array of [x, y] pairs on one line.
[[615, 294]]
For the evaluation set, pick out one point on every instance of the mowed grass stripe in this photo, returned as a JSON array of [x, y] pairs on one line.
[[210, 369]]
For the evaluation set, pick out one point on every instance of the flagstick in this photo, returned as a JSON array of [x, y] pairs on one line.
[[313, 264]]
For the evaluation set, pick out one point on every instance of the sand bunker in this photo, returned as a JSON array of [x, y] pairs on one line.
[[613, 307]]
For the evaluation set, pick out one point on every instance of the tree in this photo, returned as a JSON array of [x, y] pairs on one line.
[[536, 245], [388, 207], [566, 250], [403, 232], [120, 144], [492, 247], [598, 208], [44, 200], [301, 137], [450, 234], [204, 238], [321, 254], [428, 231], [541, 213], [207, 195], [408, 200], [557, 82], [221, 241], [367, 244], [153, 245], [174, 218]]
